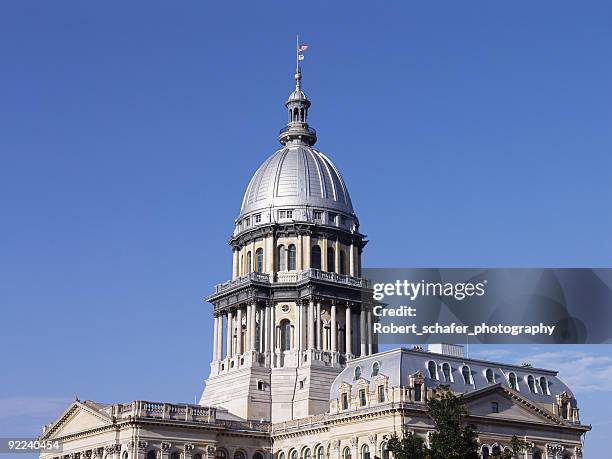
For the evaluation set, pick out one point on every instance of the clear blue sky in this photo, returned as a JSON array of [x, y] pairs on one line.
[[469, 133]]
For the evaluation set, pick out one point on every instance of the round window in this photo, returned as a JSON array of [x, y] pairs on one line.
[[285, 308]]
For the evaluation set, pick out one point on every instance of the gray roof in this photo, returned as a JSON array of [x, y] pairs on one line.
[[297, 176], [399, 364]]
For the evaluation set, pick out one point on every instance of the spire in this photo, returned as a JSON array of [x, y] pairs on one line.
[[297, 130]]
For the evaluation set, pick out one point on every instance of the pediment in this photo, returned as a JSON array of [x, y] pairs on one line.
[[512, 406], [77, 418]]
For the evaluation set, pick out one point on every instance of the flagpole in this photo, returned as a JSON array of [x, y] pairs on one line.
[[297, 53]]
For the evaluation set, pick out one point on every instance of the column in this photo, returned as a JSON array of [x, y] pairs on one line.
[[362, 331], [220, 338], [352, 260], [334, 331], [306, 250], [324, 253], [318, 319], [239, 331], [337, 255], [299, 254], [235, 264], [298, 330], [215, 337], [347, 328], [272, 334], [266, 328], [370, 331], [310, 324], [228, 344], [253, 325], [249, 312]]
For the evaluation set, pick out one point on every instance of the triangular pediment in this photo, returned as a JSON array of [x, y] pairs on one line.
[[510, 404], [77, 418]]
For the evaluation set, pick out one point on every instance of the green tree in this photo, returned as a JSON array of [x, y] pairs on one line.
[[409, 447], [516, 444]]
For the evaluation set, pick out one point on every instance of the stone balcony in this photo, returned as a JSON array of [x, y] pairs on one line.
[[292, 277]]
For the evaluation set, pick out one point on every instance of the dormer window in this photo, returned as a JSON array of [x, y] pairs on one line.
[[362, 397], [381, 394], [531, 384], [375, 368], [513, 381], [467, 374], [544, 386], [345, 403], [357, 373], [247, 221], [494, 407], [331, 218], [285, 214], [490, 375], [317, 215], [433, 369], [257, 218], [446, 370]]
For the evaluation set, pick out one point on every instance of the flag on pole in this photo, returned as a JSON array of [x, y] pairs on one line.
[[302, 48], [300, 57]]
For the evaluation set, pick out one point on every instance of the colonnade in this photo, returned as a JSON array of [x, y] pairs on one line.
[[265, 329]]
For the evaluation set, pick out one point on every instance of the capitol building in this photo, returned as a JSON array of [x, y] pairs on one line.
[[296, 372]]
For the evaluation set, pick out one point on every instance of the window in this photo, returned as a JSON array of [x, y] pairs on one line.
[[318, 215], [330, 260], [320, 452], [467, 374], [485, 452], [283, 214], [125, 455], [564, 410], [291, 258], [417, 392], [537, 455], [282, 258], [544, 386], [301, 384], [496, 450], [332, 218], [175, 455], [247, 221], [433, 370], [494, 407], [221, 454], [285, 329], [531, 384], [315, 257], [306, 454], [249, 265], [375, 369], [346, 453], [294, 454], [381, 394], [357, 373], [342, 267], [197, 456], [345, 401], [512, 380], [343, 220], [362, 397], [257, 218], [260, 385], [446, 369], [384, 451], [258, 455], [151, 454], [259, 260], [365, 452], [490, 376]]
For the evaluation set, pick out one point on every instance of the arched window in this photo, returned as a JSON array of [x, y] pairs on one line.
[[291, 258], [346, 454], [199, 456], [248, 267], [433, 370], [315, 257], [467, 374], [496, 450], [306, 453], [239, 455], [293, 454], [357, 372], [281, 455], [490, 375], [446, 369], [175, 455], [221, 454], [258, 455], [285, 329], [544, 385], [295, 114], [531, 384], [536, 455], [513, 381], [375, 368], [282, 258], [342, 267], [125, 455], [320, 452], [365, 452], [151, 454], [331, 259], [384, 451], [259, 260], [485, 452]]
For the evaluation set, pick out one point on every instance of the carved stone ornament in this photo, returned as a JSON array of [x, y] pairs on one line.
[[336, 445], [211, 450], [188, 447], [578, 451], [372, 439], [110, 449], [86, 454], [165, 446], [142, 445], [98, 452], [354, 442]]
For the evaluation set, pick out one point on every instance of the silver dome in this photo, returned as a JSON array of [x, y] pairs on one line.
[[300, 179]]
